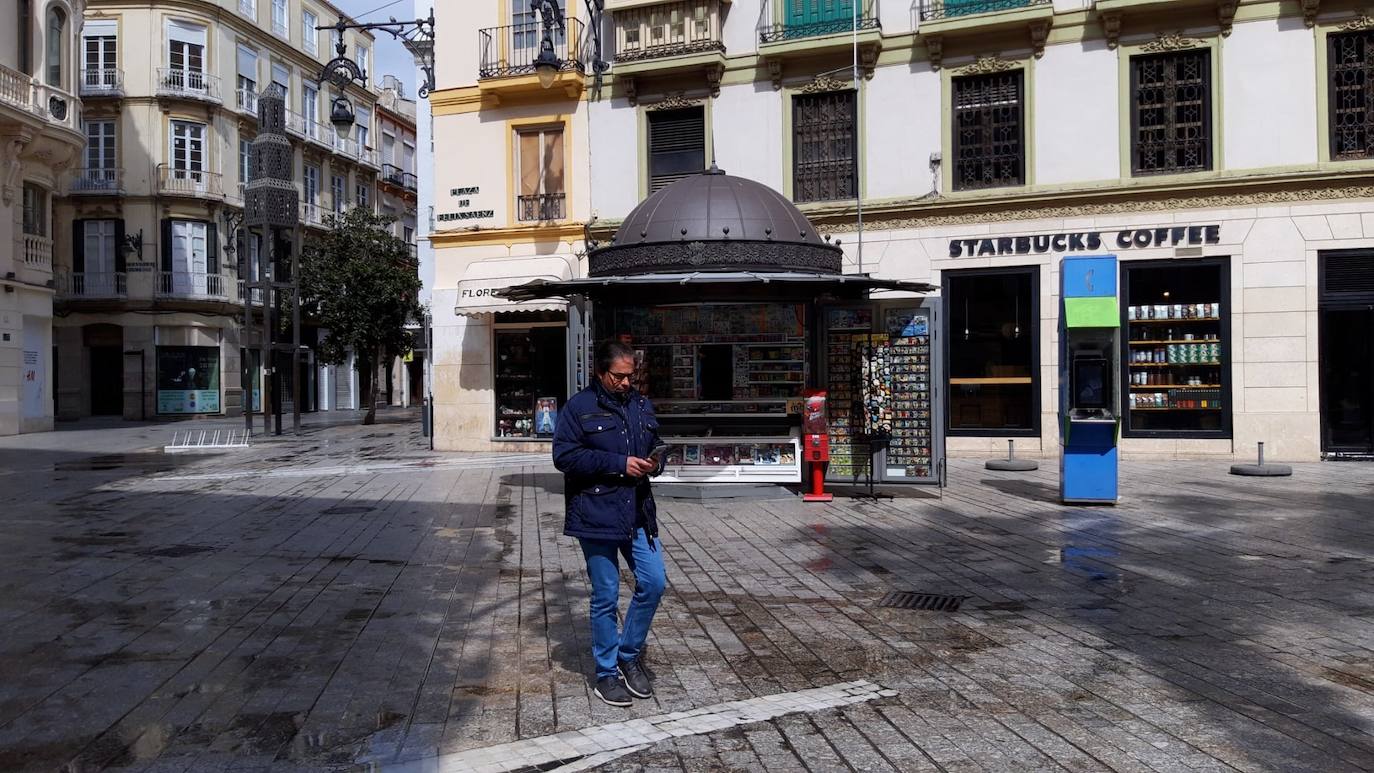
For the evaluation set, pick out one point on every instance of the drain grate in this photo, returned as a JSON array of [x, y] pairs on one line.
[[925, 602]]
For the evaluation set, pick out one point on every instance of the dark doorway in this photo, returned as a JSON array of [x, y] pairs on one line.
[[1346, 354], [717, 372], [107, 381], [1347, 380]]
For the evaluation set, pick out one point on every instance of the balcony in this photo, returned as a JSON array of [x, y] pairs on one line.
[[539, 207], [510, 52], [194, 285], [97, 181], [395, 176], [313, 215], [295, 123], [975, 19], [249, 296], [191, 84], [38, 252], [47, 103], [799, 29], [369, 157], [93, 284], [246, 101], [108, 82], [668, 38], [798, 19], [173, 181]]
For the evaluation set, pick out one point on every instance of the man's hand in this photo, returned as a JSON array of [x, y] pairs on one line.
[[635, 467]]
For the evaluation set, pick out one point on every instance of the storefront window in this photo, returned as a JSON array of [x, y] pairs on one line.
[[531, 380], [993, 354], [187, 379], [1176, 352]]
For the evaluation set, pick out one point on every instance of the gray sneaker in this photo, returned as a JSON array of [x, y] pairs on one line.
[[611, 690], [636, 680]]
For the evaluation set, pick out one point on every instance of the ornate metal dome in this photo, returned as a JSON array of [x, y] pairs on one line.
[[715, 222]]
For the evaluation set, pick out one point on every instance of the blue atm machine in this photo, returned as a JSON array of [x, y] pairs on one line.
[[1089, 380]]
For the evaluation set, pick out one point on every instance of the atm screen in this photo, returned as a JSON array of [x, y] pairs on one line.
[[1091, 383]]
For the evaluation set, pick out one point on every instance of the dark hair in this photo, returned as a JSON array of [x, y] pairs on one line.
[[609, 351]]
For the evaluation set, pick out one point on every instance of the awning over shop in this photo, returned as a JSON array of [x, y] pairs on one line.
[[796, 281], [483, 288]]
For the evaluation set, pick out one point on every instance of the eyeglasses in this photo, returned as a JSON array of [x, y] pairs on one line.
[[619, 376]]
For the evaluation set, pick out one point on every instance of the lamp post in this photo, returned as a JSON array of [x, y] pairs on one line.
[[417, 36], [547, 64]]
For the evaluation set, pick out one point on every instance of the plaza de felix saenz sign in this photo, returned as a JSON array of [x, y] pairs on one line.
[[1087, 241]]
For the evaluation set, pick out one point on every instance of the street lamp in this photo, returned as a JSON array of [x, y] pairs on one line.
[[547, 64], [342, 71]]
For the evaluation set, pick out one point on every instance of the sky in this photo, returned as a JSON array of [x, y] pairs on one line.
[[391, 57]]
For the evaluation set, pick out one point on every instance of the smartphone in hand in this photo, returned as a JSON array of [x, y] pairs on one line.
[[656, 455]]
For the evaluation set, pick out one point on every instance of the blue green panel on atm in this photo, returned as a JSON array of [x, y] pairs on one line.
[[1092, 312], [1087, 468], [1088, 277]]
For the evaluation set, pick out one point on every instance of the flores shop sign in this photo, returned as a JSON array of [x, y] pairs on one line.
[[1087, 241]]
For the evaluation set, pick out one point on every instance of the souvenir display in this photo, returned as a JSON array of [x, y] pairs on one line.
[[874, 355], [845, 329], [910, 445]]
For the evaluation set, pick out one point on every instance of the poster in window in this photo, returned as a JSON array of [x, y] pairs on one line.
[[187, 379], [545, 416]]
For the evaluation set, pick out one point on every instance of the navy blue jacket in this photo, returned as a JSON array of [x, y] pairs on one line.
[[596, 433]]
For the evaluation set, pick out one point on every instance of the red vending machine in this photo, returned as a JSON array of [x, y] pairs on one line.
[[815, 443]]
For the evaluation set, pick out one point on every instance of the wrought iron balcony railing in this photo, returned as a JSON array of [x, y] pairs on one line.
[[93, 284], [814, 18], [540, 206], [669, 29], [934, 10], [394, 175], [107, 82], [195, 285], [511, 50], [188, 182], [97, 181], [172, 81]]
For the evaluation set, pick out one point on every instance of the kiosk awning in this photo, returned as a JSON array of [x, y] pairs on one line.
[[794, 280], [484, 286]]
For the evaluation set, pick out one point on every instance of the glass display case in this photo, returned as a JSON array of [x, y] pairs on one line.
[[1175, 357]]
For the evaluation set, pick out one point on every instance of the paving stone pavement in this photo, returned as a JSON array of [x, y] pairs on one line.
[[348, 600]]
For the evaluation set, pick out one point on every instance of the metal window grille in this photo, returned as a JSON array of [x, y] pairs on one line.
[[1171, 112], [677, 145], [989, 131], [1351, 72], [824, 150]]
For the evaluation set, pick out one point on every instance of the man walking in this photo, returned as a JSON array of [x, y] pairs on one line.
[[603, 443]]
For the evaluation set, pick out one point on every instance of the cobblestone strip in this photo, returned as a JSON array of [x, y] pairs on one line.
[[572, 746]]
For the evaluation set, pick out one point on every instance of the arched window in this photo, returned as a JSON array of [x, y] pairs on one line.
[[57, 24]]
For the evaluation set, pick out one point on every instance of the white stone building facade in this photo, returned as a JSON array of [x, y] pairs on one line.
[[1228, 146]]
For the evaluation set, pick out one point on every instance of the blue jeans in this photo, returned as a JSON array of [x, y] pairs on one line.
[[603, 570]]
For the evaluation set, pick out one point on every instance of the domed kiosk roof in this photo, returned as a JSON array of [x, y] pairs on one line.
[[713, 221]]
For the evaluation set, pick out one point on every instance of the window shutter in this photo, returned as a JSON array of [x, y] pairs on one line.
[[211, 248], [120, 268], [677, 145], [78, 246], [167, 244]]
